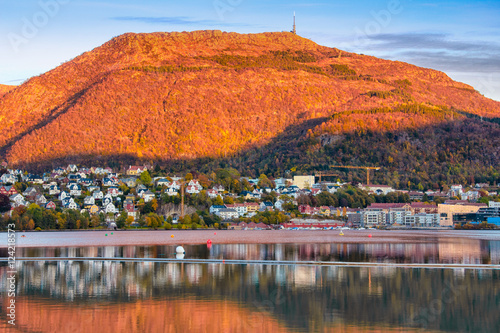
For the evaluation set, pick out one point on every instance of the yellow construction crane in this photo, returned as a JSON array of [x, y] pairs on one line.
[[357, 167]]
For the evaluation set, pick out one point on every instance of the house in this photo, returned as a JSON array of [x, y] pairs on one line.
[[106, 200], [305, 209], [86, 182], [416, 195], [248, 195], [377, 189], [162, 182], [129, 207], [219, 188], [195, 183], [75, 190], [90, 200], [98, 195], [241, 209], [50, 205], [110, 208], [8, 190], [8, 178], [136, 170], [58, 171], [40, 200], [278, 205], [252, 207], [63, 195], [472, 196], [108, 182], [456, 190], [266, 206], [74, 178], [130, 181], [114, 191], [30, 192], [175, 185], [71, 168], [227, 214], [92, 209], [92, 189], [54, 190], [192, 189], [148, 196], [171, 191], [69, 203], [35, 179], [212, 193], [17, 200], [140, 189], [214, 209], [324, 210]]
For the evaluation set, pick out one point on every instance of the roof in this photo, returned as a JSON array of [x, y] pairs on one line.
[[386, 205]]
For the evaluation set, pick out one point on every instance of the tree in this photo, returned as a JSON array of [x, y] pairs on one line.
[[129, 221], [4, 203], [122, 219], [218, 201], [145, 178], [189, 177], [228, 200]]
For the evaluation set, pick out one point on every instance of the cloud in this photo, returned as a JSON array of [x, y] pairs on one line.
[[176, 20], [437, 51]]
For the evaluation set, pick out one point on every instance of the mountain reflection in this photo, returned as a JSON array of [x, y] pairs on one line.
[[265, 298], [459, 251]]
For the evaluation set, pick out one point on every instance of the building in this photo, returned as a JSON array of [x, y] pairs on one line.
[[303, 182], [450, 208], [373, 218], [422, 220], [227, 214]]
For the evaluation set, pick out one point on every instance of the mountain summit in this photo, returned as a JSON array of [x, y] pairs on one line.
[[170, 96]]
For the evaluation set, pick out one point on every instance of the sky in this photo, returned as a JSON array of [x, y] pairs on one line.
[[460, 38]]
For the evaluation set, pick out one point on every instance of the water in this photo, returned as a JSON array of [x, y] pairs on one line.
[[109, 296]]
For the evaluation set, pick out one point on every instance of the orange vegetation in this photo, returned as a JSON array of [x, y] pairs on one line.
[[208, 94]]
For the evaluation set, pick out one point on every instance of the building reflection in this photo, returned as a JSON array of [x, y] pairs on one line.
[[294, 297], [456, 251]]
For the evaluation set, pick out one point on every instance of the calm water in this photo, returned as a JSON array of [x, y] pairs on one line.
[[97, 296]]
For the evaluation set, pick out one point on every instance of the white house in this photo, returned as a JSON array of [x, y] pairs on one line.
[[89, 201], [110, 208], [148, 196]]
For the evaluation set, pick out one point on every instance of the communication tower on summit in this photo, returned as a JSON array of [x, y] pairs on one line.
[[294, 26]]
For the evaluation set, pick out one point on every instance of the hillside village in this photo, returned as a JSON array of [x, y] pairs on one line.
[[127, 199]]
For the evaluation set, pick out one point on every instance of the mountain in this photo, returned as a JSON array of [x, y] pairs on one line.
[[210, 95], [5, 89]]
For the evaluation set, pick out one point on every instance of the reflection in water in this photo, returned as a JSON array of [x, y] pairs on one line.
[[459, 251], [145, 297]]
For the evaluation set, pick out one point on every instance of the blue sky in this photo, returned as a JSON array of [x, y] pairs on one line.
[[461, 38]]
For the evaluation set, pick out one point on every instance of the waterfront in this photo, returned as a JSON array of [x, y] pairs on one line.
[[96, 295]]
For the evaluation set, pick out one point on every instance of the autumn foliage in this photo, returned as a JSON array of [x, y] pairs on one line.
[[209, 94]]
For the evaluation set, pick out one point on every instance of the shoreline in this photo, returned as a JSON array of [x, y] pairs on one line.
[[91, 238]]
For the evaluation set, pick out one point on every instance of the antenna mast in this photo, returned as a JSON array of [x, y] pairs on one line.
[[294, 26]]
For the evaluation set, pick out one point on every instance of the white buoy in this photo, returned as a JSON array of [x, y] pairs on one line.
[[180, 250]]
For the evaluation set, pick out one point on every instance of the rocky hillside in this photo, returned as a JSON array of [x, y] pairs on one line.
[[209, 94]]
